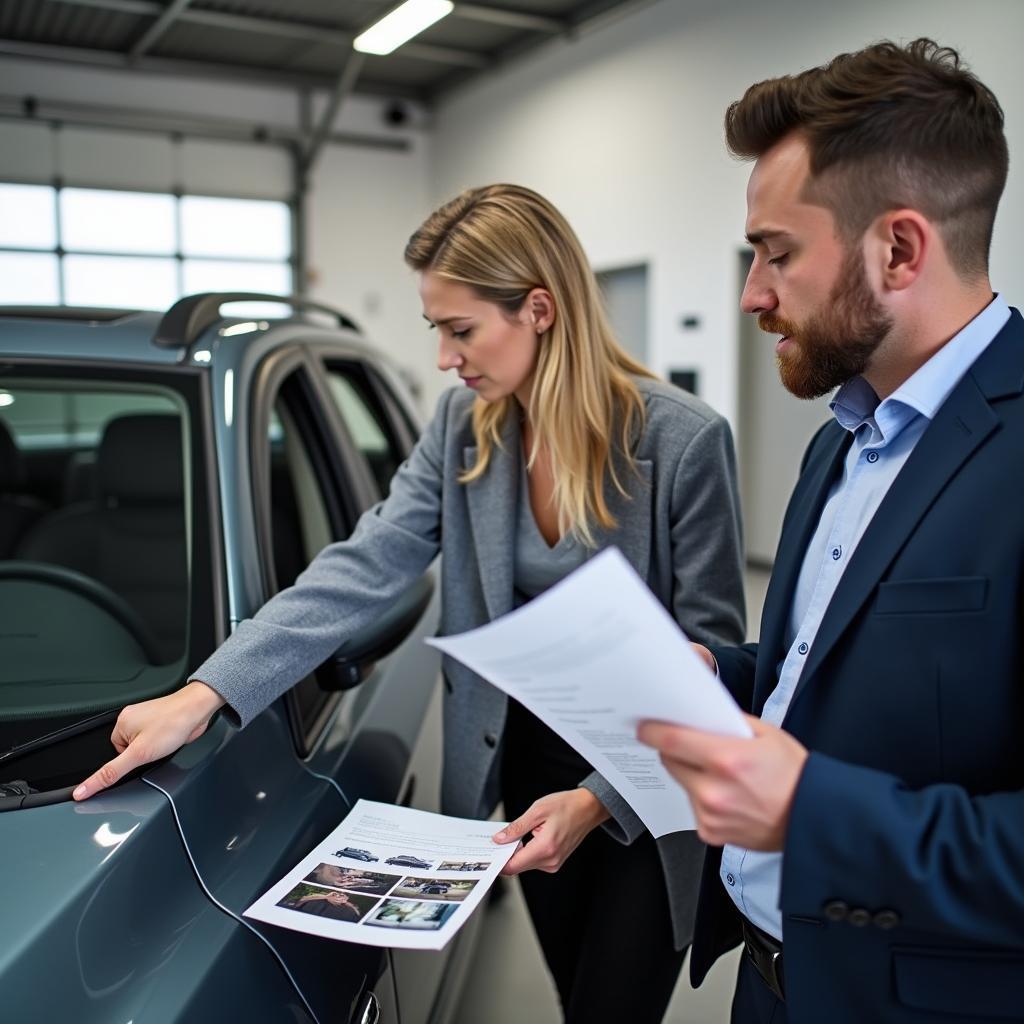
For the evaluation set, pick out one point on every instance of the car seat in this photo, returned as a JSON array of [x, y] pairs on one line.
[[132, 537], [18, 511]]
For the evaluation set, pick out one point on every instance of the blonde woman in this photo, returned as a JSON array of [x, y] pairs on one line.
[[556, 445]]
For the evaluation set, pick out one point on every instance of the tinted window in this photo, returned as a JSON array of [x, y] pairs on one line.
[[98, 489], [366, 421]]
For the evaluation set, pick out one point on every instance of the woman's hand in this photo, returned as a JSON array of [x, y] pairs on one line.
[[559, 822], [151, 730]]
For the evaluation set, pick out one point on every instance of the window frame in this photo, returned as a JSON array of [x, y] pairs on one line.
[[60, 250], [286, 366]]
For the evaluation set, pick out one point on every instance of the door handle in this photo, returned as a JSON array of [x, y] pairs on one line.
[[371, 1010]]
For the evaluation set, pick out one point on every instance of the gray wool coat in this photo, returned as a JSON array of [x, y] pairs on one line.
[[679, 528]]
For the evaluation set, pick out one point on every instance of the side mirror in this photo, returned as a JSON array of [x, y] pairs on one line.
[[354, 661]]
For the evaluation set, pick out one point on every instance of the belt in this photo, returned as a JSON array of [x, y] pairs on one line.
[[765, 953]]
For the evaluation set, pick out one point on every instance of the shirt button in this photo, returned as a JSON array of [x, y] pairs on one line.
[[872, 456], [490, 739], [731, 879], [803, 648], [837, 553]]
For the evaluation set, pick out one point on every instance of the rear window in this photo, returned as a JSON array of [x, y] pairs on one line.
[[96, 541]]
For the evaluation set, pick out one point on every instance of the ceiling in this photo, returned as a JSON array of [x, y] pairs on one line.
[[300, 43]]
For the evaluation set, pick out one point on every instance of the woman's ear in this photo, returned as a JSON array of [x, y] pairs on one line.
[[540, 309]]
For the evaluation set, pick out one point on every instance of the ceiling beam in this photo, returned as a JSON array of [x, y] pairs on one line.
[[342, 90], [150, 37], [510, 19], [281, 28], [161, 122]]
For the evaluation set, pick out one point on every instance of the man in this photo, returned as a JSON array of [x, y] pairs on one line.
[[336, 905], [868, 840]]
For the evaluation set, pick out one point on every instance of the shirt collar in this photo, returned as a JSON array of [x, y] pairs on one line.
[[856, 403]]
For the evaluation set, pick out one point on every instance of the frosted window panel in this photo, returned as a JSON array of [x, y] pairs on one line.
[[28, 217], [133, 282], [29, 279], [261, 229], [102, 221], [225, 276]]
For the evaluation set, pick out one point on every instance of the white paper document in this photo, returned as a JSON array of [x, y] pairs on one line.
[[389, 876], [594, 656]]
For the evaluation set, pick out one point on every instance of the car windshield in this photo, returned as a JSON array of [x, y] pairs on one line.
[[94, 543]]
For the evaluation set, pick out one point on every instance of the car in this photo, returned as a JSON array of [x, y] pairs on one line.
[[434, 889], [407, 861], [162, 476], [355, 854]]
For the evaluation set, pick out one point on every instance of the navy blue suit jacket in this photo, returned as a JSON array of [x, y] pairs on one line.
[[903, 875]]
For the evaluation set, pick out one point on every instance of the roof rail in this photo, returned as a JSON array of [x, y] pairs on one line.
[[189, 317], [91, 313]]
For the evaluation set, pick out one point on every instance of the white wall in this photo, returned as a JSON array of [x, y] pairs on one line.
[[362, 203], [623, 131]]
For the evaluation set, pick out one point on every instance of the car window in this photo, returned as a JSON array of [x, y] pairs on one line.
[[366, 420], [302, 516], [96, 531]]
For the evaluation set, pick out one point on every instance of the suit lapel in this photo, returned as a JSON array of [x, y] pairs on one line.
[[798, 527], [962, 423], [492, 515]]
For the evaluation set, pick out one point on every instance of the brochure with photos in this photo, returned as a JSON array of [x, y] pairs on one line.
[[389, 876]]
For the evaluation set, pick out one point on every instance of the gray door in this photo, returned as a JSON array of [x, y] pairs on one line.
[[774, 428], [625, 296]]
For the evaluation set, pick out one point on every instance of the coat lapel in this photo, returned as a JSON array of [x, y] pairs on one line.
[[962, 423], [492, 515]]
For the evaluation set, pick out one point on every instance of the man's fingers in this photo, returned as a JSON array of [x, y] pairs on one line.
[[110, 773], [678, 741], [523, 825]]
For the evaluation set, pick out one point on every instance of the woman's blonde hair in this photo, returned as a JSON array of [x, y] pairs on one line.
[[503, 241]]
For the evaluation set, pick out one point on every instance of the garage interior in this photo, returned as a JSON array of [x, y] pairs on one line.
[[259, 121]]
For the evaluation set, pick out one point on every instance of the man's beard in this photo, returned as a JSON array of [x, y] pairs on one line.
[[836, 343]]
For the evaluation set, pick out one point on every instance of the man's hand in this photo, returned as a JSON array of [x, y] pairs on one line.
[[741, 789], [146, 732], [559, 823]]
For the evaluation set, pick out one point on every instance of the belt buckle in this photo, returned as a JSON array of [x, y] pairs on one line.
[[767, 962]]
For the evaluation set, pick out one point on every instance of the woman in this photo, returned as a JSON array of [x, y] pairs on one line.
[[559, 445]]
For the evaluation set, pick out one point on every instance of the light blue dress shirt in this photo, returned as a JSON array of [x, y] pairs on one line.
[[884, 435]]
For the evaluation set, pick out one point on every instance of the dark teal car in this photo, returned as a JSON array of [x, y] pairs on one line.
[[160, 478]]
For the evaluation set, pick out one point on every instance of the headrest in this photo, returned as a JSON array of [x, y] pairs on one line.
[[10, 461], [139, 459]]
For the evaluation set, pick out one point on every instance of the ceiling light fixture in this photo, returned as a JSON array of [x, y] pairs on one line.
[[398, 27]]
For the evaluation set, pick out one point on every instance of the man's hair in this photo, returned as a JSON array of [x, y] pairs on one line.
[[888, 127]]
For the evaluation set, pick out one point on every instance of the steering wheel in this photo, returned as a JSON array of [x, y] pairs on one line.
[[93, 591]]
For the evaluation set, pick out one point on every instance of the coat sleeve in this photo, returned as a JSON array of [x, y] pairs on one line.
[[707, 557], [341, 591], [944, 861], [707, 539]]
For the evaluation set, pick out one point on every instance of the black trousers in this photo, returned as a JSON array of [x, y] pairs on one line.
[[603, 919], [754, 1002]]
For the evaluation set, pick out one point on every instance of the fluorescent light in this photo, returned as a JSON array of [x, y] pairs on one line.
[[398, 27]]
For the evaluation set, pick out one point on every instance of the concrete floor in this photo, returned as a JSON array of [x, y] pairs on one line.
[[509, 983]]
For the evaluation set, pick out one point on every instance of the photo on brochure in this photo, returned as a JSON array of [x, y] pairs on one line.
[[340, 876], [353, 853], [410, 915], [333, 904], [464, 865], [452, 890]]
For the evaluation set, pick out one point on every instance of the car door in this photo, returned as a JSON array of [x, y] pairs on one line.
[[104, 918], [273, 791], [381, 426]]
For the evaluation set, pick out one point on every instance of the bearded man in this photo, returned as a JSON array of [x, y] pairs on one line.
[[868, 840]]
